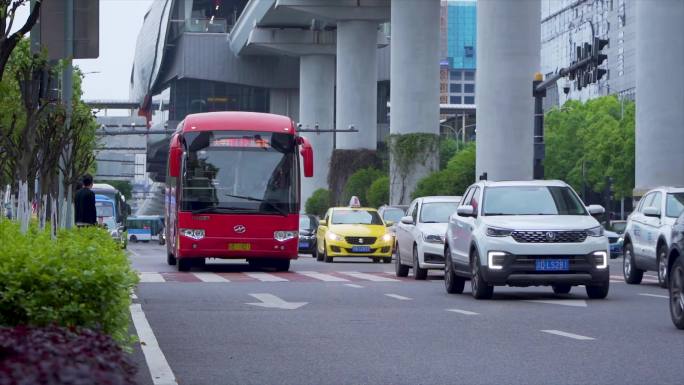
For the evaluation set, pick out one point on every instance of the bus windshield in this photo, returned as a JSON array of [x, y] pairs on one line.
[[241, 172]]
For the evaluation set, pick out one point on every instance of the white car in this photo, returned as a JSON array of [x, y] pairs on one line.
[[647, 237], [420, 235], [526, 233]]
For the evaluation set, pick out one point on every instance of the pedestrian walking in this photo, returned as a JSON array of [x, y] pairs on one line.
[[84, 201]]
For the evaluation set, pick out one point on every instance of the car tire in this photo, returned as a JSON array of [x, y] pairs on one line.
[[561, 288], [375, 260], [480, 288], [676, 289], [452, 282], [326, 257], [598, 291], [184, 264], [419, 274], [317, 255], [134, 239], [387, 260], [632, 275], [400, 269], [661, 262], [170, 259]]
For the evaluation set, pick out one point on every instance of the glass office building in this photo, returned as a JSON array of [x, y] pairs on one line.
[[459, 24]]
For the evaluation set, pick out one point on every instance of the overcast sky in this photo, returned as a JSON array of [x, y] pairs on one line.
[[120, 22]]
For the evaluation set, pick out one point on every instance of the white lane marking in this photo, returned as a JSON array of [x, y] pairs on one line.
[[459, 311], [151, 277], [353, 285], [399, 297], [655, 295], [564, 302], [322, 276], [616, 281], [159, 368], [569, 335], [265, 277], [210, 277], [368, 277], [272, 301]]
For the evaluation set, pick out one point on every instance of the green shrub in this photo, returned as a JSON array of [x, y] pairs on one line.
[[81, 279], [318, 202], [454, 179], [447, 149], [378, 192], [359, 183]]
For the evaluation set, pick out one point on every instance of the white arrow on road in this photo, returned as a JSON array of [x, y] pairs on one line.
[[271, 301]]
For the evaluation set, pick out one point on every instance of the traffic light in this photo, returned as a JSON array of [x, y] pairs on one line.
[[597, 48]]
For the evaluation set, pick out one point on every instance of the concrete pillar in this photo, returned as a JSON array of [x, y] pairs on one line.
[[284, 101], [508, 45], [659, 94], [414, 94], [317, 106], [357, 83]]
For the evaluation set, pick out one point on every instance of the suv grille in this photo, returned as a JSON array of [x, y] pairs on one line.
[[360, 240], [549, 236]]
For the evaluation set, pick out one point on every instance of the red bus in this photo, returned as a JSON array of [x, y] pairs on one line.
[[233, 189]]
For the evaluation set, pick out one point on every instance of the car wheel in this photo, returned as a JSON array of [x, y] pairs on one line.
[[480, 289], [184, 264], [598, 291], [419, 273], [632, 275], [676, 283], [319, 256], [399, 268], [375, 260], [326, 257], [561, 288], [134, 239], [387, 260], [452, 282], [662, 266], [170, 259]]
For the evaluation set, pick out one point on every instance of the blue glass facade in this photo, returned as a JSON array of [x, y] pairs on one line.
[[461, 34]]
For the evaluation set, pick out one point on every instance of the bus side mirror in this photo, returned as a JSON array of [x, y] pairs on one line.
[[174, 161], [307, 156]]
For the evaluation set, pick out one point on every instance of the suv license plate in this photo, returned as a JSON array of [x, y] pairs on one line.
[[361, 249], [552, 265]]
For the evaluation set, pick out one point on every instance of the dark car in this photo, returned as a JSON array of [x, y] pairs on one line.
[[308, 224], [675, 265]]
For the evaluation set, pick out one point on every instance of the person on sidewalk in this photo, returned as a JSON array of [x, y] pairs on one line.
[[86, 214]]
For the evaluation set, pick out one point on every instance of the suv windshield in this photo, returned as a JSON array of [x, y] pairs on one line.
[[392, 214], [240, 171], [355, 217], [674, 205], [531, 200], [438, 212]]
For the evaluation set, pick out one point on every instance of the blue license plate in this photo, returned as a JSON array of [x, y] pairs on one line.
[[552, 265], [303, 245], [361, 249]]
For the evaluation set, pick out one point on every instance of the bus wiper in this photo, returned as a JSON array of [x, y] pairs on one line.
[[276, 208], [217, 209]]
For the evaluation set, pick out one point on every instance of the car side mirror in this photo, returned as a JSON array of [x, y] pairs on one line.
[[307, 156], [466, 211], [389, 223], [596, 210], [652, 211], [407, 220]]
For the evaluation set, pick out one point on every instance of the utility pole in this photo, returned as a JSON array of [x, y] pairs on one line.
[[67, 95]]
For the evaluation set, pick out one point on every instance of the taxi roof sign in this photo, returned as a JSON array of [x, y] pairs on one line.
[[354, 202]]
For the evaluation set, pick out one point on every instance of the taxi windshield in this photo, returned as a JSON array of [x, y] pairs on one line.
[[355, 217]]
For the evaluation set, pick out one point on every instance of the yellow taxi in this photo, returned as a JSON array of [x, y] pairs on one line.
[[353, 232]]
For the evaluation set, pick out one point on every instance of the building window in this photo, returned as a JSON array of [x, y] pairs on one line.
[[455, 100], [469, 100], [443, 88], [455, 88], [469, 51], [469, 75], [469, 88], [455, 75]]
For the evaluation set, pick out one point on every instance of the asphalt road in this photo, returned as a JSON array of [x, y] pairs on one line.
[[372, 328]]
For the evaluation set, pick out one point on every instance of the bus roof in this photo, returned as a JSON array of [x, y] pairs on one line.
[[239, 121], [103, 198], [103, 187]]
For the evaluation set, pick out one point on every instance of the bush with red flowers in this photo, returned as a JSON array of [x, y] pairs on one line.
[[66, 356]]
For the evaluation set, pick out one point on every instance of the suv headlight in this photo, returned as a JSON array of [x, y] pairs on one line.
[[497, 232], [595, 231], [433, 238], [195, 234], [601, 259], [333, 237], [495, 260], [282, 236]]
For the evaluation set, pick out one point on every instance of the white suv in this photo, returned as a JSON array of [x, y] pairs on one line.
[[420, 235], [648, 233], [526, 233]]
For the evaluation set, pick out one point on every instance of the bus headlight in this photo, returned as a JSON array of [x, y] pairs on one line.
[[282, 236], [195, 234]]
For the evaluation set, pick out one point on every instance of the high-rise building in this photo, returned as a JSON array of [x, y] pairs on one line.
[[459, 41]]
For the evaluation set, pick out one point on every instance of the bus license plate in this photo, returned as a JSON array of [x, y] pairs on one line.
[[239, 247], [361, 249], [552, 265]]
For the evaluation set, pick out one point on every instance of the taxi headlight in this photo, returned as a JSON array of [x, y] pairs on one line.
[[333, 237], [387, 237]]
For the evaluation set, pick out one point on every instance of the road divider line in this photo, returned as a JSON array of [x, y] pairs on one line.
[[654, 295], [265, 277], [156, 361], [322, 276], [210, 277], [353, 285], [399, 297], [569, 335], [151, 277], [465, 312], [368, 277]]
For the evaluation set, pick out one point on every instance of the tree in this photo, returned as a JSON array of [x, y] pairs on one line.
[[8, 40], [318, 203], [359, 183], [378, 192], [454, 179]]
